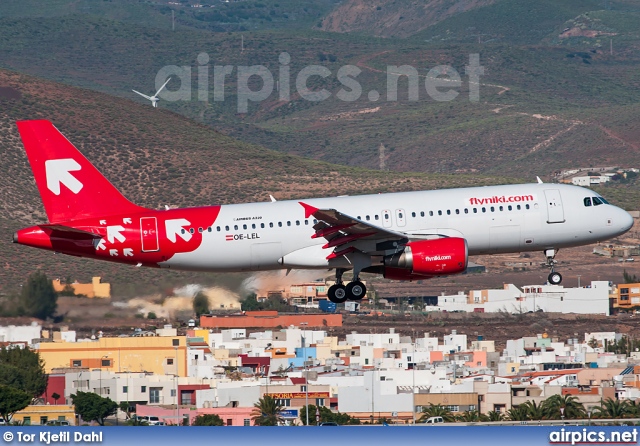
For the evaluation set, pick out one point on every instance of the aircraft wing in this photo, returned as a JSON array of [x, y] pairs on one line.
[[142, 94], [347, 234]]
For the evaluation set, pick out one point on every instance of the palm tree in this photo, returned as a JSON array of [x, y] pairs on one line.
[[535, 411], [611, 408], [266, 412], [469, 416], [495, 415], [436, 411], [573, 408], [518, 413]]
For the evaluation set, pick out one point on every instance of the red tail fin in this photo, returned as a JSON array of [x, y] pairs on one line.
[[70, 186]]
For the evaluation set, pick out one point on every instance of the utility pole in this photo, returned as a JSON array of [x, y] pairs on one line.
[[173, 20], [306, 379]]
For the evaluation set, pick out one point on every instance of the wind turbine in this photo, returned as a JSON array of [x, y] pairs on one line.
[[154, 99]]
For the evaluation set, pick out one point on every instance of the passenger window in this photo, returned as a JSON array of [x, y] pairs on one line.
[[422, 214], [596, 201], [368, 218], [306, 222], [288, 223], [253, 226], [235, 227], [510, 208], [244, 226], [376, 217], [262, 225], [280, 224], [526, 206], [386, 216], [297, 222], [501, 208], [400, 215], [271, 225], [475, 210], [218, 228], [200, 230], [315, 221], [466, 211], [493, 209], [226, 228], [413, 214], [518, 207], [209, 229], [439, 212], [191, 230], [359, 218], [484, 209], [183, 231], [430, 213], [448, 212], [457, 211]]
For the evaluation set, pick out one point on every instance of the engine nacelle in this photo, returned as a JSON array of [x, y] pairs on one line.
[[439, 257]]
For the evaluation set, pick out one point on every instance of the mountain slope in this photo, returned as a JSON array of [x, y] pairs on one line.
[[397, 18]]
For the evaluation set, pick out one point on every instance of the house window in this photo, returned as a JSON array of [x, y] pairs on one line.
[[26, 421], [76, 363], [106, 363], [173, 392], [319, 401], [169, 361], [143, 389], [43, 420], [284, 402], [125, 389], [366, 361], [229, 421], [303, 388], [154, 395], [246, 422], [176, 342]]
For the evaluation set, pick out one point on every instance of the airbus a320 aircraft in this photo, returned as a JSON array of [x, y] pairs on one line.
[[402, 236]]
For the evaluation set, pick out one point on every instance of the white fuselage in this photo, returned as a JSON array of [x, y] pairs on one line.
[[493, 219]]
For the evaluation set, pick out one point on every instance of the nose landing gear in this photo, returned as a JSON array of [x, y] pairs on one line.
[[554, 277]]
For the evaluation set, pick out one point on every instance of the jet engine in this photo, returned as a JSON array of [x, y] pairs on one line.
[[428, 258]]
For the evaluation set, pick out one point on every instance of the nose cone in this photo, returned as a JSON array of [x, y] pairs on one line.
[[626, 220]]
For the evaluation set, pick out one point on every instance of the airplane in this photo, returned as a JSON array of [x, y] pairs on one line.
[[154, 99], [401, 236]]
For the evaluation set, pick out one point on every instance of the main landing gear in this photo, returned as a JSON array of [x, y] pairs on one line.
[[554, 278], [339, 293]]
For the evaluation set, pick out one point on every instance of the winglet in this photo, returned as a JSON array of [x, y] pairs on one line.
[[273, 200], [308, 209], [539, 180]]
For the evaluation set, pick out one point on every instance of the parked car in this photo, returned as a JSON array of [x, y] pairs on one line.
[[329, 423], [434, 420], [57, 423]]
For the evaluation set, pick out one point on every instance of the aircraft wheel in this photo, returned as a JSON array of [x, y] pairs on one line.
[[356, 290], [337, 294], [555, 278]]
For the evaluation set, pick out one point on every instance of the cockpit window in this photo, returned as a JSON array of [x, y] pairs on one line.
[[587, 201], [597, 201], [603, 200]]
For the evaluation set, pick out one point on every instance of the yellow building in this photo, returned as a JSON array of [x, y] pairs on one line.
[[94, 289], [40, 415], [626, 296], [163, 355]]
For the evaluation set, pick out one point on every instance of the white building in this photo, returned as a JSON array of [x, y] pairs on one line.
[[21, 333]]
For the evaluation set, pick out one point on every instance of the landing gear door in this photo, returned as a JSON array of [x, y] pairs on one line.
[[149, 234], [554, 206], [386, 218]]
